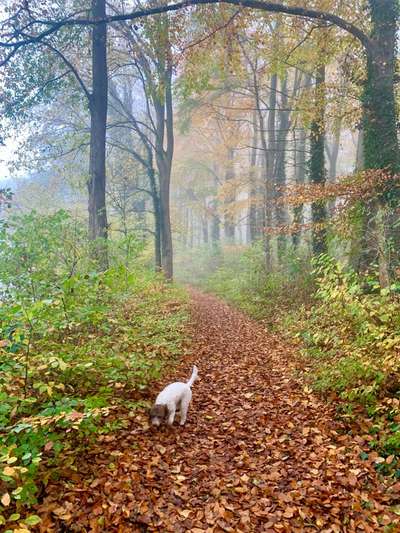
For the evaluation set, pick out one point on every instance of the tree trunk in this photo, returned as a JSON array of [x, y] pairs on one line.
[[253, 227], [204, 226], [317, 163], [360, 163], [98, 122], [300, 174], [267, 155], [333, 151], [229, 219], [382, 245], [281, 215], [157, 214], [381, 148], [166, 234], [215, 228], [269, 159], [165, 130], [191, 229]]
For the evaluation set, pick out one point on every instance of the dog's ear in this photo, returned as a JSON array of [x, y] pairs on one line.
[[154, 410], [159, 411]]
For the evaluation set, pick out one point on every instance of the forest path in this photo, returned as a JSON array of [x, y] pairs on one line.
[[258, 453]]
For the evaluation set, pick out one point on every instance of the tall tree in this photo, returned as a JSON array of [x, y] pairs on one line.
[[98, 123], [317, 162], [164, 154]]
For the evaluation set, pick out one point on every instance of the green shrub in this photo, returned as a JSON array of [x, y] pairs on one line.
[[358, 332], [242, 279], [73, 344]]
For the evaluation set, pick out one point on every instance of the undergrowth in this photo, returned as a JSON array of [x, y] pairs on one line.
[[75, 344]]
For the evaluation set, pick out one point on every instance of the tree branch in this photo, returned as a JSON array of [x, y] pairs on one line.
[[71, 67], [269, 7]]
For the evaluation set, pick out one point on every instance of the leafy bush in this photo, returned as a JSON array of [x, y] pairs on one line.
[[358, 333], [36, 251], [242, 279]]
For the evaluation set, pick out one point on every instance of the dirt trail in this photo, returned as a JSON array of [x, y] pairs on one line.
[[258, 454]]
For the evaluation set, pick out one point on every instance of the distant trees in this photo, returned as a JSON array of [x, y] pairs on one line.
[[270, 66]]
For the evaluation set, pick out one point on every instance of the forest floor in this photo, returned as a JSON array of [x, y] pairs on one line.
[[259, 453]]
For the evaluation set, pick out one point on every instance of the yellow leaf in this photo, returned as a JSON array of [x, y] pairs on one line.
[[9, 471], [5, 499]]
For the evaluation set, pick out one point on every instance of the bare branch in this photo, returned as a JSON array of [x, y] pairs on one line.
[[71, 67]]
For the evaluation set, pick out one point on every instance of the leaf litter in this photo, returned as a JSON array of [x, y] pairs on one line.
[[259, 452]]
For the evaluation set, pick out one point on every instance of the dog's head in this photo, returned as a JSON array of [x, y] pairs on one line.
[[158, 414]]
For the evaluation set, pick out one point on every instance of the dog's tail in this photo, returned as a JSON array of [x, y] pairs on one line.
[[193, 377]]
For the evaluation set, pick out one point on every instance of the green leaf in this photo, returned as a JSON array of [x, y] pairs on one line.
[[32, 520]]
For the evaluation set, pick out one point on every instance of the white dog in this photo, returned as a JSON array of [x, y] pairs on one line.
[[175, 396]]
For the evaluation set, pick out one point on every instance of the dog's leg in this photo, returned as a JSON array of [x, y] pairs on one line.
[[184, 408], [171, 414]]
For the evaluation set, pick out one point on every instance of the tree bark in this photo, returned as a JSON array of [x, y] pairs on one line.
[[229, 219], [166, 234], [360, 163], [317, 163], [300, 174], [215, 227], [98, 122], [281, 215], [268, 161], [381, 148], [253, 227], [157, 215], [165, 131], [332, 151], [204, 227]]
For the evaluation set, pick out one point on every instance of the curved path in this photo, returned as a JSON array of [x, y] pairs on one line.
[[258, 453]]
